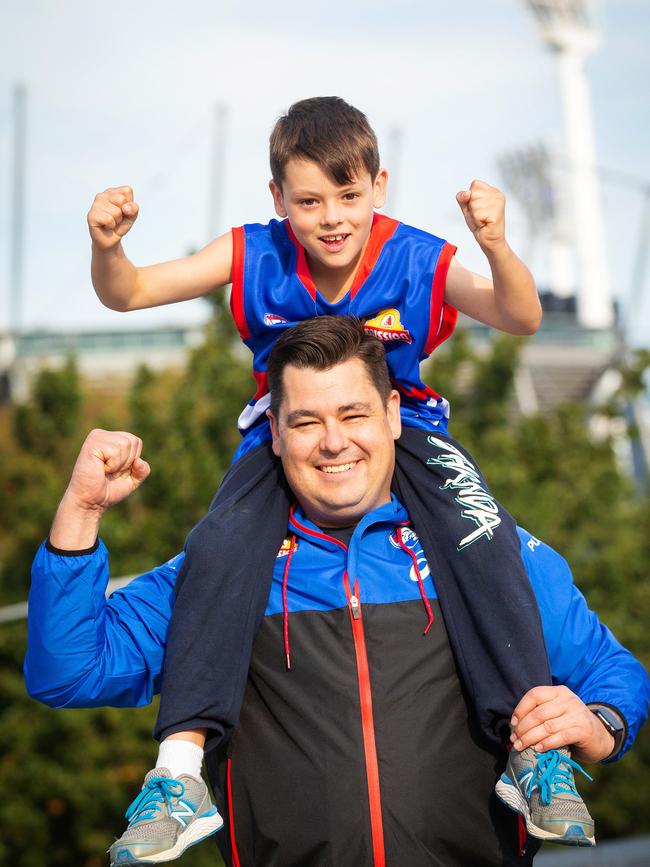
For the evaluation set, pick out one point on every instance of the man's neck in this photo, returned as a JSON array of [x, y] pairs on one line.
[[341, 534]]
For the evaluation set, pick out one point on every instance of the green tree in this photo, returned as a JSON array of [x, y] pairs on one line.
[[72, 773]]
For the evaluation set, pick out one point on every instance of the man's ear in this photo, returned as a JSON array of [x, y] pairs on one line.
[[278, 200], [393, 414], [275, 433], [379, 188]]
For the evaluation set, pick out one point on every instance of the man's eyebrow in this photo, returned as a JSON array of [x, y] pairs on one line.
[[359, 406], [297, 414]]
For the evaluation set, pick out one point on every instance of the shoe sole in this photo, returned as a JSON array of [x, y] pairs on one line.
[[199, 830], [510, 795]]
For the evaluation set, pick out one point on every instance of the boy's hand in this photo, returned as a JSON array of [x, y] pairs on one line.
[[112, 214], [483, 207]]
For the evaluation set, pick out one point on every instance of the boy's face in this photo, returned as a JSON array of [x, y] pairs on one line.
[[332, 222]]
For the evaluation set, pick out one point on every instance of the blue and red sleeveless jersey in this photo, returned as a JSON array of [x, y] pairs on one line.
[[398, 291]]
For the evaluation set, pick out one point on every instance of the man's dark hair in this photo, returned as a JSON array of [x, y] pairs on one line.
[[321, 343], [329, 132]]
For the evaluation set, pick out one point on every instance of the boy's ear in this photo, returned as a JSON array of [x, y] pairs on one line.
[[278, 201], [379, 188]]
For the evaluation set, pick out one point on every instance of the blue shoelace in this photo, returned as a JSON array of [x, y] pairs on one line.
[[156, 792], [553, 774]]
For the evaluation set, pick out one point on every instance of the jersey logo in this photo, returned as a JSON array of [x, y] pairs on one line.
[[387, 326], [412, 542], [285, 548], [274, 319]]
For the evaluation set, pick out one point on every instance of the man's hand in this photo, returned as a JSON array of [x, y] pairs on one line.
[[112, 214], [108, 469], [484, 207], [550, 717]]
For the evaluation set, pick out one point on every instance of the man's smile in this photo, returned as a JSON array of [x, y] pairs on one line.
[[337, 468]]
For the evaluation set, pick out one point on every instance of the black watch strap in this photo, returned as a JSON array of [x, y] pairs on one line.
[[615, 725]]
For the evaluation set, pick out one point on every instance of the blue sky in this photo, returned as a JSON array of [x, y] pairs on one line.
[[123, 93]]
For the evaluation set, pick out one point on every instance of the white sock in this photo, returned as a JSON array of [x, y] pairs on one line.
[[181, 757]]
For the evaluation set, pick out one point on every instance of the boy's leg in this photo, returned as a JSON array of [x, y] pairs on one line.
[[472, 546], [222, 591], [492, 618]]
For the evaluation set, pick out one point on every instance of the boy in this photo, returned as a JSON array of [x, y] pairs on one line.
[[333, 254]]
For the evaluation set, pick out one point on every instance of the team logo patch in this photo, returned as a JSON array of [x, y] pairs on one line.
[[285, 548], [387, 326], [411, 540], [274, 319]]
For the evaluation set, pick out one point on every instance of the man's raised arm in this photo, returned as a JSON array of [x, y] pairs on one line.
[[84, 650], [108, 469]]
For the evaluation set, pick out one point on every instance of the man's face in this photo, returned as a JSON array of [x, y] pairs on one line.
[[332, 222], [336, 438]]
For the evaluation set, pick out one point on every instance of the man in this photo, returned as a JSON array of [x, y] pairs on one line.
[[355, 744]]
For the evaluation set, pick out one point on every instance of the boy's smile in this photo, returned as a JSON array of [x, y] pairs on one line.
[[331, 221]]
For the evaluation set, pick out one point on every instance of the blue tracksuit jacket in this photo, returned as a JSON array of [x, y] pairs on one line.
[[367, 731]]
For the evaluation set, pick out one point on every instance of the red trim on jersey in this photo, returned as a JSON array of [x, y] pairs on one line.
[[231, 820], [237, 291], [418, 393], [302, 268], [442, 316], [367, 724], [262, 380], [383, 229]]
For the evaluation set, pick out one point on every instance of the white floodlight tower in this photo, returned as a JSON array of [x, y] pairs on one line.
[[568, 29]]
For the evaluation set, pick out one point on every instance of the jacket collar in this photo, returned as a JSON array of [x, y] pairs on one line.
[[391, 513]]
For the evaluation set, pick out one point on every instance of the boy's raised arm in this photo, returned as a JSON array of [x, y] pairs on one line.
[[508, 301], [122, 286]]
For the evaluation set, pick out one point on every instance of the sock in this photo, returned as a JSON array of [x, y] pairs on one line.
[[181, 757]]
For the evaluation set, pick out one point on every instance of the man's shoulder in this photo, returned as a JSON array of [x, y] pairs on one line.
[[548, 570]]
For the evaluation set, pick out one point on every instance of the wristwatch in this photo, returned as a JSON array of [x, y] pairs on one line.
[[614, 724]]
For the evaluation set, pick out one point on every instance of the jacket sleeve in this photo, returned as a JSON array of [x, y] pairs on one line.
[[583, 653], [87, 651]]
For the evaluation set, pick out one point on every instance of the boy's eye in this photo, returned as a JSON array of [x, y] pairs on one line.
[[307, 202], [349, 197]]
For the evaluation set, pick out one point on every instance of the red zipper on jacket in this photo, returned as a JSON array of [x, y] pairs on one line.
[[367, 723], [231, 819]]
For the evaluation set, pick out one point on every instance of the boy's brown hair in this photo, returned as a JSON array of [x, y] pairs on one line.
[[329, 132], [321, 343]]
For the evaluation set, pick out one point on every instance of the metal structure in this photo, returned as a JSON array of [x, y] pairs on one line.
[[568, 29], [217, 170], [17, 207], [531, 174], [393, 162]]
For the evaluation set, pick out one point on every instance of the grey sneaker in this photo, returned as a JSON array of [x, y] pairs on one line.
[[166, 818], [541, 788]]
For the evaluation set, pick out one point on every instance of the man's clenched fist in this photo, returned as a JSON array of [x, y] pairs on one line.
[[108, 469]]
